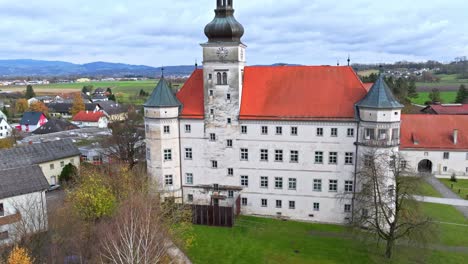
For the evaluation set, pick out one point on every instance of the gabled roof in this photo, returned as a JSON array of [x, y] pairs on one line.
[[54, 126], [22, 180], [162, 96], [191, 96], [31, 118], [111, 107], [380, 96], [451, 109], [66, 107], [434, 132], [300, 92], [37, 153], [88, 116]]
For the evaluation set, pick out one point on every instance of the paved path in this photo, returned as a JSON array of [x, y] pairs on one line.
[[449, 201], [447, 193]]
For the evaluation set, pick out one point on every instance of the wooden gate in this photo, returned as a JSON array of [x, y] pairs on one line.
[[213, 215]]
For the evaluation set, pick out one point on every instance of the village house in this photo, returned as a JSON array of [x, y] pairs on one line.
[[115, 111], [446, 109], [23, 205], [55, 125], [5, 128], [91, 119], [63, 110], [32, 121]]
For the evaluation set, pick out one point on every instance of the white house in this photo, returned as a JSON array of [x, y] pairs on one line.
[[91, 119], [5, 128], [32, 121], [23, 205]]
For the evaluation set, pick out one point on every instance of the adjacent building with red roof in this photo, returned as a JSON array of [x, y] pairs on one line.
[[91, 119], [446, 109]]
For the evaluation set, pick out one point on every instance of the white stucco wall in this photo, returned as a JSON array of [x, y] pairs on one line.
[[456, 163], [52, 173], [5, 129]]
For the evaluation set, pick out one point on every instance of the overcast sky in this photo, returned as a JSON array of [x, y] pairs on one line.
[[168, 32]]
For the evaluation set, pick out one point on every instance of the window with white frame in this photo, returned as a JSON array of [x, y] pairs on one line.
[[190, 197], [229, 143], [395, 134], [244, 201], [211, 111], [228, 96], [446, 155], [292, 205], [369, 133], [188, 153], [229, 121], [317, 185], [245, 180], [167, 129], [230, 172], [264, 203], [445, 168], [293, 131], [350, 132], [278, 183], [294, 156], [62, 164], [367, 160], [243, 129], [214, 164], [264, 182], [168, 181], [244, 154], [316, 207], [212, 137], [292, 183], [230, 194], [188, 128], [279, 203], [347, 208], [167, 154], [319, 157], [279, 130], [264, 130], [320, 132], [349, 186], [264, 155], [334, 132], [189, 178], [279, 155], [349, 158], [333, 158], [333, 185]]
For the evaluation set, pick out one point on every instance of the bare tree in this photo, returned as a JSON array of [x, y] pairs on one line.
[[384, 202]]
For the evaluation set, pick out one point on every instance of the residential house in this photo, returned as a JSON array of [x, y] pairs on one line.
[[115, 111], [91, 119], [32, 121], [99, 98], [32, 100], [5, 128], [446, 109], [50, 156], [63, 110], [23, 204], [55, 125]]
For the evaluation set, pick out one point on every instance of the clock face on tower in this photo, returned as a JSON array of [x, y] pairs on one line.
[[222, 52]]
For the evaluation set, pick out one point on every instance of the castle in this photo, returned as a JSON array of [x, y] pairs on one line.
[[283, 140]]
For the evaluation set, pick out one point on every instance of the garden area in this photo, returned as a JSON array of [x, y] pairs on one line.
[[460, 187]]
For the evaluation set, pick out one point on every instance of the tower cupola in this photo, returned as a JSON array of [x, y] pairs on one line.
[[224, 27]]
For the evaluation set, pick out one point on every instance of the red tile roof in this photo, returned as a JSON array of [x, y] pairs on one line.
[[449, 109], [434, 131], [300, 92], [88, 116], [191, 97], [368, 86]]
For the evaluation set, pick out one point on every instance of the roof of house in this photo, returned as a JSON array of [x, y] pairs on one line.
[[22, 180], [380, 96], [66, 107], [53, 126], [88, 116], [191, 96], [300, 92], [37, 153], [31, 118], [434, 132], [448, 109], [162, 96], [112, 108]]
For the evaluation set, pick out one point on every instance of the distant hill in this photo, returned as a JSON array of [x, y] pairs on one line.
[[39, 68]]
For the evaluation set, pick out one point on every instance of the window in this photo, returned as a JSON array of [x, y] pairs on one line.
[[51, 166], [72, 161], [229, 143], [349, 186], [167, 129], [211, 111], [426, 154], [347, 208], [228, 97], [292, 183], [445, 168], [244, 201], [278, 183], [278, 203], [318, 157], [367, 160], [264, 182], [190, 197], [167, 155], [279, 130], [212, 137], [188, 128], [219, 80], [188, 153], [292, 205], [244, 129], [229, 121], [210, 76], [403, 164], [264, 155], [334, 132], [294, 131], [264, 130], [214, 164], [2, 210], [350, 132], [319, 132], [383, 134], [333, 158], [395, 134], [264, 202], [189, 178], [349, 158], [446, 155], [148, 153], [62, 164], [230, 194], [316, 207], [245, 180], [168, 180], [317, 185], [279, 155], [333, 185], [244, 154], [225, 78], [369, 133], [294, 157], [466, 169], [211, 93]]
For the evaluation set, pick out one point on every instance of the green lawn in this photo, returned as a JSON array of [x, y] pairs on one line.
[[447, 97], [460, 187], [446, 80], [259, 240], [425, 189]]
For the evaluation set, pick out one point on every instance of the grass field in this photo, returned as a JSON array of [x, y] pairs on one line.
[[460, 185], [447, 83], [425, 189], [447, 97]]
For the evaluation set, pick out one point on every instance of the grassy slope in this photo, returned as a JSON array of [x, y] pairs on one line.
[[425, 189], [461, 185]]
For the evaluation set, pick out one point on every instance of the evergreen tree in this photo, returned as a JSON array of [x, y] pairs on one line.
[[87, 89], [112, 97], [68, 173], [109, 90], [462, 94], [412, 93], [5, 111], [30, 92], [435, 95]]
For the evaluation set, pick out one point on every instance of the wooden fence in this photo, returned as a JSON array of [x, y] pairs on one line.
[[213, 215]]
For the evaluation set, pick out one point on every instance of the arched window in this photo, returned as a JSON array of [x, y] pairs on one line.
[[218, 77], [224, 78]]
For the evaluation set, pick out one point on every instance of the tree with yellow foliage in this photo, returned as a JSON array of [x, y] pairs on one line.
[[6, 143], [78, 104], [38, 107], [19, 256], [21, 105]]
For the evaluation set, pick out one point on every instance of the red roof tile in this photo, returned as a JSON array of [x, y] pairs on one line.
[[88, 116], [450, 109], [191, 97], [368, 86], [433, 131], [300, 92]]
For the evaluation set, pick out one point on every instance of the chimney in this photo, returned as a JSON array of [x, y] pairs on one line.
[[455, 136]]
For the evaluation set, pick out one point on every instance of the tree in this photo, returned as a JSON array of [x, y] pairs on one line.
[[87, 89], [435, 95], [143, 93], [78, 105], [109, 90], [30, 92], [6, 112], [68, 173], [412, 92], [6, 143], [112, 97], [38, 107], [21, 105], [462, 94], [384, 202], [19, 256]]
